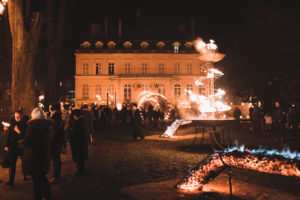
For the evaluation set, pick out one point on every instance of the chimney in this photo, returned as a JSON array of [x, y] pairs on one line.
[[192, 23], [120, 27], [95, 31], [106, 27]]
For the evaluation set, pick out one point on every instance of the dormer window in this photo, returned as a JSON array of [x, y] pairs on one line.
[[86, 45], [161, 45], [144, 45], [176, 47], [188, 44], [127, 45], [111, 44], [99, 45]]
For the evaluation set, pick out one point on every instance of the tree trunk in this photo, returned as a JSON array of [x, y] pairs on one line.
[[55, 33], [24, 46]]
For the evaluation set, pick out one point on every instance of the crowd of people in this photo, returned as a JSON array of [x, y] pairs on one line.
[[39, 140], [278, 122]]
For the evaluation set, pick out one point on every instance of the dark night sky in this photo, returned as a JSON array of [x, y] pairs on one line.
[[255, 35], [220, 20]]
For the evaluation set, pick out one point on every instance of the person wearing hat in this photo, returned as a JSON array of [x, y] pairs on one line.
[[136, 122]]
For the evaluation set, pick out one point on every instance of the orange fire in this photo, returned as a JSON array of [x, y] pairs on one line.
[[214, 165]]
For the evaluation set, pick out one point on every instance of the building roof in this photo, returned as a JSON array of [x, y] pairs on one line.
[[136, 46]]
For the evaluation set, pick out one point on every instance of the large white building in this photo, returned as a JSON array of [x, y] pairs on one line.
[[118, 71]]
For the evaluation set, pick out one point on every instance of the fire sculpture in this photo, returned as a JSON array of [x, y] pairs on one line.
[[206, 105], [284, 163], [156, 98]]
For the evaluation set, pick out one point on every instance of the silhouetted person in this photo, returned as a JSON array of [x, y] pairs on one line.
[[37, 156], [237, 114], [79, 145], [57, 142], [15, 144], [136, 122], [278, 121]]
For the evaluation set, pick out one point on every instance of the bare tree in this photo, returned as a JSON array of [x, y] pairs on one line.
[[25, 34], [55, 35]]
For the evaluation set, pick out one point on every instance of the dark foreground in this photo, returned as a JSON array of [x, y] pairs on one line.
[[119, 168]]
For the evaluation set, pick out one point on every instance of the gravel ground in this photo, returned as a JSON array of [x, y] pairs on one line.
[[119, 168]]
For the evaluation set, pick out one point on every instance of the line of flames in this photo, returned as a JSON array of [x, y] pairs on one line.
[[266, 161], [169, 132]]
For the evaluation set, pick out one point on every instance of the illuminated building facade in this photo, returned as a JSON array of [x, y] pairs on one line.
[[118, 71]]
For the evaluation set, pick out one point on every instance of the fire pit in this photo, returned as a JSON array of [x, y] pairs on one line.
[[284, 163], [218, 128]]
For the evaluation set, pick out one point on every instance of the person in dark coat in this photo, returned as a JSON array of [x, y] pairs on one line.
[[88, 124], [278, 116], [57, 142], [257, 116], [136, 122], [15, 144], [78, 142], [37, 157]]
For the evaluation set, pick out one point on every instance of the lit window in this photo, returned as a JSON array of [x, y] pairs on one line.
[[176, 49], [85, 92], [98, 68], [188, 44], [86, 45], [160, 44], [98, 90], [189, 87], [127, 44], [161, 68], [127, 92], [111, 68], [144, 45], [189, 69], [85, 68], [202, 71], [111, 90], [127, 68], [177, 68], [111, 44], [201, 90], [177, 91], [161, 89], [144, 68], [99, 45]]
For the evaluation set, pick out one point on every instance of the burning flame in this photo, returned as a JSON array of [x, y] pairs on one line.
[[1, 8], [174, 126], [98, 97], [262, 160], [119, 106], [208, 51], [5, 124], [150, 96], [286, 152]]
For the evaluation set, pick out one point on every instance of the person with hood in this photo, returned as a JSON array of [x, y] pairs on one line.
[[79, 145], [15, 144], [37, 157]]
